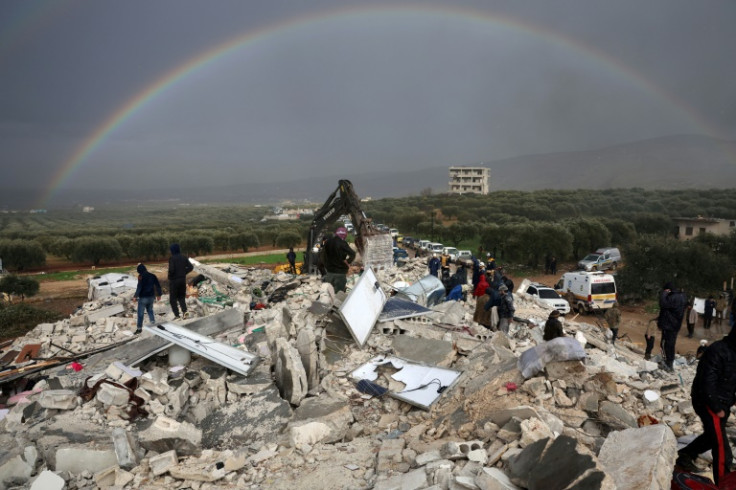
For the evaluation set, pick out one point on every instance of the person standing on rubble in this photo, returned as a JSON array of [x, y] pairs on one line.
[[710, 306], [434, 265], [506, 309], [291, 257], [713, 394], [476, 271], [338, 256], [691, 319], [148, 291], [672, 303], [179, 267], [613, 319]]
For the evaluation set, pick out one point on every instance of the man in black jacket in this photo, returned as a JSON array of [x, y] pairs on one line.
[[146, 293], [672, 304], [713, 395], [338, 256], [179, 267]]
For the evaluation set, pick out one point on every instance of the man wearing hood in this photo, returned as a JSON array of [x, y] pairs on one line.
[[146, 293], [179, 267], [713, 394]]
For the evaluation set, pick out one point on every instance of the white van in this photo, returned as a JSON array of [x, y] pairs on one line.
[[393, 232], [602, 259], [422, 244], [464, 255], [435, 248], [587, 291]]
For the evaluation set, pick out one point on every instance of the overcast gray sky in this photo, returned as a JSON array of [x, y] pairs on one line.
[[168, 93]]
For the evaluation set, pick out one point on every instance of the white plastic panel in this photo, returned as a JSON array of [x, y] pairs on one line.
[[361, 308]]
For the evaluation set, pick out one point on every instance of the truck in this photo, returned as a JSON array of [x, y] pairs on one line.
[[587, 291], [375, 246], [601, 259]]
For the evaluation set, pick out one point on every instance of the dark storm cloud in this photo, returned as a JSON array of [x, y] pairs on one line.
[[369, 91]]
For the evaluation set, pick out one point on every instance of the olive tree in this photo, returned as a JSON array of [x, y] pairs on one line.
[[21, 254], [22, 286], [96, 249]]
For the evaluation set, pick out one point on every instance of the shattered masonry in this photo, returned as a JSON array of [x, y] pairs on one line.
[[133, 418]]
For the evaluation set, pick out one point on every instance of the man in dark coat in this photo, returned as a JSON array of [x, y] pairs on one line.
[[713, 395], [506, 309], [708, 309], [179, 267], [553, 326], [291, 257], [148, 290], [338, 256], [434, 265], [672, 304]]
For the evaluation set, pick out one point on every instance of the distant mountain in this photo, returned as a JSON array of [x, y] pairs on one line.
[[670, 162]]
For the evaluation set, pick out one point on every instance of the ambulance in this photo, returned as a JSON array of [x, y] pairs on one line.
[[587, 291]]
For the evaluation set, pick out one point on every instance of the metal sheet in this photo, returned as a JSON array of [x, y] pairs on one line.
[[361, 308], [427, 291], [424, 385], [397, 308], [234, 359]]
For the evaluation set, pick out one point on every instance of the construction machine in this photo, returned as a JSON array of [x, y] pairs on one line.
[[375, 247]]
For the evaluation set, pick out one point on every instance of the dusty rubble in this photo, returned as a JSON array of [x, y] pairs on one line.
[[133, 418]]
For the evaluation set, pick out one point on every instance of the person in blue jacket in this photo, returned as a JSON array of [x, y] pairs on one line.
[[148, 290], [434, 265]]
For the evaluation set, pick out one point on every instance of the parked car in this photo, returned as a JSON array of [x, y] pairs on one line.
[[409, 241], [602, 259], [464, 255], [400, 253], [548, 296], [399, 238], [450, 252], [393, 232], [422, 244]]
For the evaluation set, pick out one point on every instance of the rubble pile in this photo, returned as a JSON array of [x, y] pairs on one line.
[[144, 414]]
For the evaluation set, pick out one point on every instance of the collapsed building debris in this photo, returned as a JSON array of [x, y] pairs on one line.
[[339, 399]]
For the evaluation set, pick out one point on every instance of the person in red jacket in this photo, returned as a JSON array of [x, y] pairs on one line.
[[480, 288]]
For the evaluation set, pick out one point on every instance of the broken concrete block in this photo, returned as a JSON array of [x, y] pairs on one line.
[[15, 469], [428, 457], [256, 382], [161, 463], [256, 417], [413, 480], [106, 477], [551, 464], [588, 401], [459, 450], [306, 344], [291, 378], [655, 450], [565, 370], [155, 381], [206, 472], [320, 420], [122, 478], [111, 395], [615, 415], [532, 430], [494, 479], [77, 459], [390, 454], [426, 351], [126, 448], [104, 313], [117, 371], [165, 434], [58, 399], [48, 480]]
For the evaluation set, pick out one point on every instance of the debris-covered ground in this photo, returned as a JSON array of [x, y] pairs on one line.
[[429, 401]]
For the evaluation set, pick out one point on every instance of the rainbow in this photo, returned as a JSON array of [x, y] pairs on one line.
[[209, 56]]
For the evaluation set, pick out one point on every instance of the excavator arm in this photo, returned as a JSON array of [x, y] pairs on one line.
[[376, 248]]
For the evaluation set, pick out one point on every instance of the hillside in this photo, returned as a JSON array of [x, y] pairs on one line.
[[671, 162]]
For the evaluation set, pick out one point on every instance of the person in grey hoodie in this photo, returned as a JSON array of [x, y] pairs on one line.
[[148, 290], [179, 267]]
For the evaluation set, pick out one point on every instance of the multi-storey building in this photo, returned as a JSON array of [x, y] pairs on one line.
[[474, 180]]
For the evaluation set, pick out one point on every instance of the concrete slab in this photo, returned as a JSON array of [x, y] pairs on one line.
[[48, 480], [165, 434], [424, 351], [77, 459], [104, 313], [641, 457], [257, 417], [320, 420], [126, 448], [306, 344], [290, 375]]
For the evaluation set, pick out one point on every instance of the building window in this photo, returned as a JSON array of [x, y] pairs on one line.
[[689, 231], [701, 231], [733, 223]]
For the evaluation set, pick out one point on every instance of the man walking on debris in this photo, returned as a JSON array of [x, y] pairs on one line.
[[613, 318], [148, 290], [691, 319], [713, 395], [338, 256], [179, 267], [672, 303], [506, 309]]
